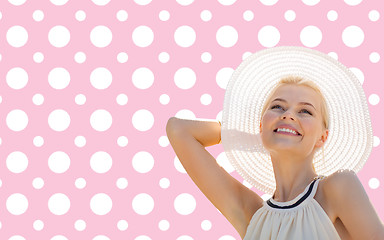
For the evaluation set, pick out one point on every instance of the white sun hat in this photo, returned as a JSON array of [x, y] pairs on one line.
[[349, 141]]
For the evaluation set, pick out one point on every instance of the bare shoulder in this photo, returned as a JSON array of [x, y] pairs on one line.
[[350, 204]]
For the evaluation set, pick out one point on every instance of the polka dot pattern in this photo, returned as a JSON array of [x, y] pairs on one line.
[[88, 87]]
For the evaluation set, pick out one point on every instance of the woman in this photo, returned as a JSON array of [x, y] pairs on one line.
[[282, 106]]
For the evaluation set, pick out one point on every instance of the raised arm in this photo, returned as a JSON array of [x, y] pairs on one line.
[[189, 139]]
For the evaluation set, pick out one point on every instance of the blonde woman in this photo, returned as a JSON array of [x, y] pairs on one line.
[[296, 126]]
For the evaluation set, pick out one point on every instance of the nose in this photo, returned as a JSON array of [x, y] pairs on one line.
[[287, 114]]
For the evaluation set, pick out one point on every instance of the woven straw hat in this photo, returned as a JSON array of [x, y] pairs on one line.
[[349, 141]]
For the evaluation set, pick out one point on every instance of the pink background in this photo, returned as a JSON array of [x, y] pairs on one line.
[[87, 88]]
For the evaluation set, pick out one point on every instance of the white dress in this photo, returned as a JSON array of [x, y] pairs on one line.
[[300, 219]]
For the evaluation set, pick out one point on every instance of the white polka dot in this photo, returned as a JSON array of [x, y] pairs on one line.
[[59, 120], [122, 99], [265, 197], [206, 99], [38, 141], [59, 2], [179, 167], [333, 55], [80, 99], [353, 2], [38, 183], [80, 225], [206, 225], [376, 141], [184, 2], [143, 204], [80, 15], [206, 15], [101, 120], [17, 120], [38, 57], [206, 57], [17, 2], [185, 114], [185, 36], [38, 15], [59, 204], [143, 162], [80, 183], [17, 36], [122, 15], [290, 15], [163, 57], [374, 15], [101, 36], [164, 183], [17, 78], [359, 74], [227, 2], [374, 183], [374, 57], [247, 184], [226, 36], [100, 237], [269, 2], [59, 237], [142, 237], [122, 57], [80, 141], [332, 15], [142, 36], [227, 237], [164, 15], [164, 99], [185, 78], [80, 57], [223, 162], [311, 2], [59, 162], [122, 225], [101, 2], [143, 2], [38, 225], [101, 162], [374, 99], [223, 76], [59, 36], [184, 204], [122, 141], [311, 36], [353, 36], [164, 225], [122, 183], [17, 162], [101, 204], [248, 15], [59, 78], [38, 99], [269, 36], [143, 120], [143, 78], [17, 204], [16, 237], [163, 141], [101, 78]]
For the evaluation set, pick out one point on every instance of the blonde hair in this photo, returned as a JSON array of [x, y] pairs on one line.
[[301, 82]]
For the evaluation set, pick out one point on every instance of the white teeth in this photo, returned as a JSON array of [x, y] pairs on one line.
[[286, 130]]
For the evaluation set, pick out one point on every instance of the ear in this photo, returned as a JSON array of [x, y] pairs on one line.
[[260, 126], [323, 138]]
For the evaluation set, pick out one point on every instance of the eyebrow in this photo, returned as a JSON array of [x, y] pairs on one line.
[[303, 103]]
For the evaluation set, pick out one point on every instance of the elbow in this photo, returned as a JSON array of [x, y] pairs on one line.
[[171, 125]]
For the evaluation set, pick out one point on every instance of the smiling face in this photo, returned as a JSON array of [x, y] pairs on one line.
[[299, 107]]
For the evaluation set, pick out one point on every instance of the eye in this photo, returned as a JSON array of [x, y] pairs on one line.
[[275, 106]]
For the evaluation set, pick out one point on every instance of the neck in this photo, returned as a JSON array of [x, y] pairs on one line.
[[292, 176]]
